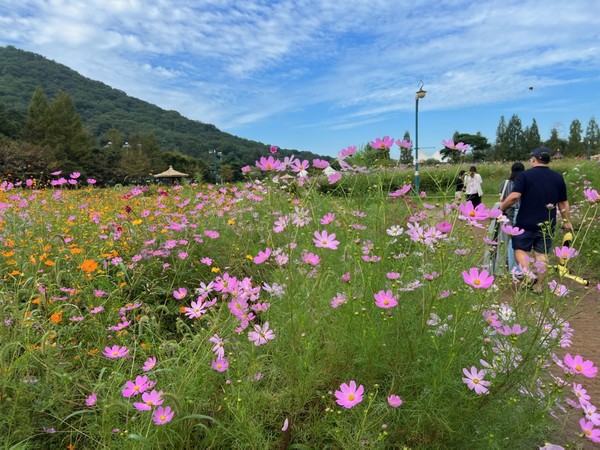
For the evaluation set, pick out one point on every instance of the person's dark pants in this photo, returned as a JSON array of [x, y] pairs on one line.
[[474, 198]]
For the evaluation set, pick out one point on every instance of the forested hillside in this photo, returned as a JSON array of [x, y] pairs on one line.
[[110, 115]]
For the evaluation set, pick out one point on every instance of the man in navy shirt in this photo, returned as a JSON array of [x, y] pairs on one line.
[[542, 191]]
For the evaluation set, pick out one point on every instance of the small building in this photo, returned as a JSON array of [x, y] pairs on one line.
[[171, 175]]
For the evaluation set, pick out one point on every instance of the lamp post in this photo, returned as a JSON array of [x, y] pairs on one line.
[[420, 94], [216, 169]]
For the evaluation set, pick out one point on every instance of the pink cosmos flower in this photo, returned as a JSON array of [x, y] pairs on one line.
[[327, 219], [311, 259], [591, 195], [346, 278], [593, 434], [477, 213], [262, 256], [149, 364], [334, 177], [345, 152], [220, 364], [268, 164], [180, 293], [320, 163], [476, 279], [382, 143], [402, 191], [286, 424], [149, 400], [578, 365], [133, 388], [443, 227], [560, 290], [273, 149], [474, 380], [115, 352], [590, 413], [349, 395], [394, 401], [261, 335], [507, 330], [218, 348], [338, 300], [91, 400], [404, 143], [385, 299], [565, 252], [91, 181], [162, 415], [455, 146], [299, 166], [246, 169], [324, 240], [512, 231], [581, 394], [211, 234]]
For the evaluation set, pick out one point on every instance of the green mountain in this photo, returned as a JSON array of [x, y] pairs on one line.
[[102, 108]]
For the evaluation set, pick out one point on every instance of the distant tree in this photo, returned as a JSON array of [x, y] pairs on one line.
[[514, 140], [592, 135], [532, 139], [555, 143], [406, 154], [500, 148], [11, 122], [65, 135], [575, 142], [134, 165], [36, 125], [20, 160], [114, 138]]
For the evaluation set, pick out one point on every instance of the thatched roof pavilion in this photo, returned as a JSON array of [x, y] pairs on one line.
[[171, 174]]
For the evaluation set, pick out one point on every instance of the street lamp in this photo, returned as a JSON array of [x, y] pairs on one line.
[[420, 94], [216, 168]]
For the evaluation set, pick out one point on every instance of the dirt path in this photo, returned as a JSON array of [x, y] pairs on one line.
[[586, 342]]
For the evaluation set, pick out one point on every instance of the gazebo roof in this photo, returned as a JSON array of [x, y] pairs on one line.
[[170, 173]]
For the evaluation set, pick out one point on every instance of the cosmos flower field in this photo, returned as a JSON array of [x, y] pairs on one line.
[[270, 315]]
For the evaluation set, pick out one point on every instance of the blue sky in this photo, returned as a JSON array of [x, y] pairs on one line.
[[323, 75]]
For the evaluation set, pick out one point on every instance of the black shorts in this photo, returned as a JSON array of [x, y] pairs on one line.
[[536, 240]]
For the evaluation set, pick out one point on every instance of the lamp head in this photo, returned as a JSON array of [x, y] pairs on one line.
[[421, 93]]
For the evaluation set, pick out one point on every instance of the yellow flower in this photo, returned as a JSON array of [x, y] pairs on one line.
[[215, 269]]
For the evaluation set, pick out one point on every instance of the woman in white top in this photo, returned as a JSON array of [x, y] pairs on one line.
[[473, 184]]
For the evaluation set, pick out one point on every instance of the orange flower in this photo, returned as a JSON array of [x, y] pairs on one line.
[[56, 317], [89, 265]]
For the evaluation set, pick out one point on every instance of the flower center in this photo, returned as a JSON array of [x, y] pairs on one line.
[[476, 380], [578, 367], [351, 397], [476, 282]]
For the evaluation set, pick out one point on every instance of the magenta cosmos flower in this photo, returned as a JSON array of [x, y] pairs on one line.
[[402, 191], [268, 164], [261, 335], [591, 195], [578, 365], [136, 387], [220, 365], [91, 400], [479, 212], [162, 415], [394, 401], [593, 434], [404, 143], [512, 231], [349, 395], [115, 352], [565, 252], [382, 143], [149, 400], [385, 299], [149, 364], [324, 240], [477, 279], [474, 380]]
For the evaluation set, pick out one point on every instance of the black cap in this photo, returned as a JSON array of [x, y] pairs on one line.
[[542, 154]]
